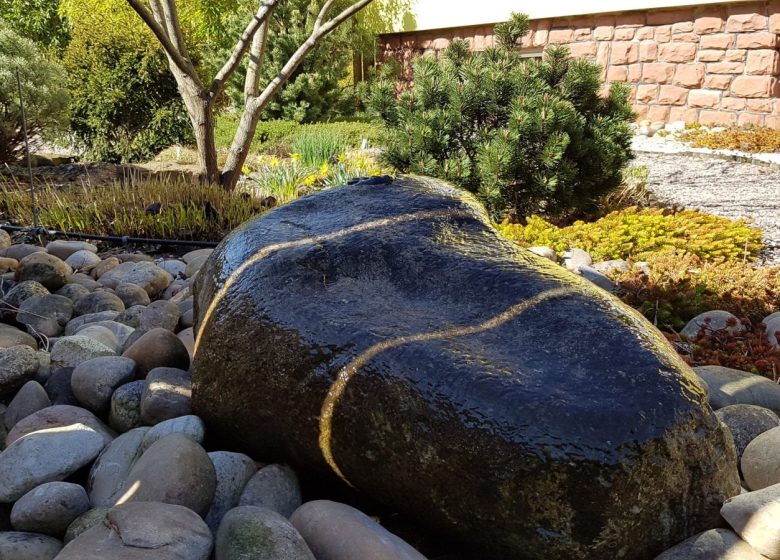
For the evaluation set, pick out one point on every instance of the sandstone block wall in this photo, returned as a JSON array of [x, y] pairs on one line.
[[715, 64]]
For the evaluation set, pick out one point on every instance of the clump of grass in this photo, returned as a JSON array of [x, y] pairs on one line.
[[187, 211], [632, 192], [749, 139]]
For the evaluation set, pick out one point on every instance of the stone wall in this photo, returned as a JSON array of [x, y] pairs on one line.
[[716, 64]]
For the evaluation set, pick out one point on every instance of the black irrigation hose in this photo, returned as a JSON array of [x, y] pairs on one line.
[[123, 240]]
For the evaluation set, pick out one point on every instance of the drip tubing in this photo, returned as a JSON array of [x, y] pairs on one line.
[[114, 239]]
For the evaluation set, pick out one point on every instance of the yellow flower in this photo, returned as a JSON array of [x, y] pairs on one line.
[[324, 169], [310, 180], [295, 157], [245, 170], [274, 161], [342, 158]]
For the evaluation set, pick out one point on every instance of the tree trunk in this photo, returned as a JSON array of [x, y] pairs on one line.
[[239, 150], [202, 118]]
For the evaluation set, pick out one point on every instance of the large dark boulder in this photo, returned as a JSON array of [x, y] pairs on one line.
[[389, 334]]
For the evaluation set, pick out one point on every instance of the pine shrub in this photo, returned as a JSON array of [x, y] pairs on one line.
[[526, 135]]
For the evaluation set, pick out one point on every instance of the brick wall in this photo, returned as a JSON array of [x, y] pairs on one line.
[[716, 64]]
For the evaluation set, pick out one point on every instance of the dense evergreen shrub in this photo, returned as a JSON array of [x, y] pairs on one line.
[[43, 88], [527, 135]]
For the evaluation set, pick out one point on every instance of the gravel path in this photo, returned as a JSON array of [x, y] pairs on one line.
[[727, 188]]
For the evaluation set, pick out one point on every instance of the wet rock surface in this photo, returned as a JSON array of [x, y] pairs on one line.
[[361, 313]]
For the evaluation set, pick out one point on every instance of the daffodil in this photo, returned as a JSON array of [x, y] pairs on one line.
[[295, 157]]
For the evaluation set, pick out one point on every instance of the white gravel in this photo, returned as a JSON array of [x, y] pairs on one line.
[[712, 183]]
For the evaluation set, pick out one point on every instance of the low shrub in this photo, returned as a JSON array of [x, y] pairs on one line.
[[286, 179], [314, 142], [633, 191], [187, 211], [749, 139], [640, 234], [747, 351], [676, 286], [528, 136]]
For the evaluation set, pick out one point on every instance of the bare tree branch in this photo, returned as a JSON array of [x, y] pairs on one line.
[[174, 27], [244, 43], [256, 56], [174, 55], [319, 32], [323, 13]]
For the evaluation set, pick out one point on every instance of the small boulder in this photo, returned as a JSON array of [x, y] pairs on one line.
[[85, 522], [28, 546], [141, 531], [187, 337], [106, 265], [194, 266], [22, 291], [72, 291], [755, 517], [173, 470], [731, 386], [96, 302], [168, 394], [132, 316], [575, 258], [147, 275], [50, 508], [160, 314], [70, 351], [747, 422], [8, 265], [716, 544], [30, 399], [597, 278], [46, 456], [46, 269], [126, 406], [63, 249], [121, 332], [83, 280], [174, 267], [337, 531], [46, 315], [545, 252], [273, 487], [18, 365], [58, 387], [712, 321], [59, 418], [94, 381], [158, 348], [189, 426], [772, 328], [78, 323], [21, 250], [255, 533], [761, 460], [112, 467], [83, 260], [11, 336], [102, 335], [132, 295], [233, 471], [5, 239], [196, 254]]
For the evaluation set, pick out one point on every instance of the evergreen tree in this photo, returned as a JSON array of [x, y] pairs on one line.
[[526, 135]]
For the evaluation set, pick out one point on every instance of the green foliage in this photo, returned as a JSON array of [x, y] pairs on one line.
[[639, 234], [126, 106], [510, 32], [677, 286], [45, 97], [121, 209], [528, 136], [315, 142], [37, 20]]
